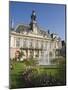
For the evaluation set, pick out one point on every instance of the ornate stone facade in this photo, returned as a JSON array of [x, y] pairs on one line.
[[34, 41]]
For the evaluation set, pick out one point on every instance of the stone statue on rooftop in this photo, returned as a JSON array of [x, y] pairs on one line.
[[33, 16]]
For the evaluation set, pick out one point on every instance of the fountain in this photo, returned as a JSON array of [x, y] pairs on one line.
[[44, 59]]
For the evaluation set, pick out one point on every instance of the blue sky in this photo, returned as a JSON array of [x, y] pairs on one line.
[[49, 16]]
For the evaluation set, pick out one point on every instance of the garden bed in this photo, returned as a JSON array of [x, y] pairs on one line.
[[25, 75]]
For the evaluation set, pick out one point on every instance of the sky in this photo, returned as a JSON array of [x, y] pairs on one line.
[[49, 16]]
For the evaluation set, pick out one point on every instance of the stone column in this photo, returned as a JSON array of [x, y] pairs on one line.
[[39, 54], [54, 54], [48, 59], [24, 54], [34, 54], [28, 53]]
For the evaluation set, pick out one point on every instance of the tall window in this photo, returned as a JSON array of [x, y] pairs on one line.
[[41, 44], [31, 44], [36, 43], [45, 45], [18, 42], [24, 43]]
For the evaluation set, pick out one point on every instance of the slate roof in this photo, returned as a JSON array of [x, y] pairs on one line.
[[22, 28], [26, 28]]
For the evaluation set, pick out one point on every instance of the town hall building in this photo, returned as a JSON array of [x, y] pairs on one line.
[[35, 42]]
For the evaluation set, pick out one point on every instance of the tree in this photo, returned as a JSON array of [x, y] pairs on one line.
[[21, 53]]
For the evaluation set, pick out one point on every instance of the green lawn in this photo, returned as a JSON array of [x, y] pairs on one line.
[[20, 67], [17, 67]]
